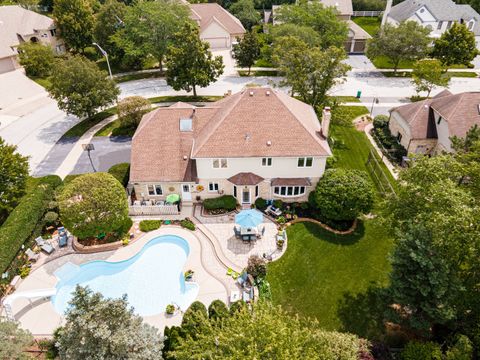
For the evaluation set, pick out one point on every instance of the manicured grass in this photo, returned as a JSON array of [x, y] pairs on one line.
[[80, 129], [345, 99], [370, 24], [407, 74], [184, 98], [327, 276], [263, 63], [138, 76], [42, 81], [382, 62], [259, 73], [320, 268]]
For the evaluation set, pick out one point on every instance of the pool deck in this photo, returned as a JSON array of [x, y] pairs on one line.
[[41, 318]]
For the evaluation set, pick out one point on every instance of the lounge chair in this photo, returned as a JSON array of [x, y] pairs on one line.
[[39, 241], [273, 211], [47, 248], [32, 256], [261, 233]]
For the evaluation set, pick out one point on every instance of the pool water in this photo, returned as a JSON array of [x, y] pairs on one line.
[[151, 279]]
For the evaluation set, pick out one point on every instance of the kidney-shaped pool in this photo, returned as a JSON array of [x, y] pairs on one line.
[[151, 279]]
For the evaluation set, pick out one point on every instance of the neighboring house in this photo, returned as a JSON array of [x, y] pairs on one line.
[[437, 15], [18, 25], [426, 127], [357, 37], [256, 143], [217, 26]]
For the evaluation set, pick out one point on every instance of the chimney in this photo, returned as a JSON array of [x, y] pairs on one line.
[[326, 117], [268, 93]]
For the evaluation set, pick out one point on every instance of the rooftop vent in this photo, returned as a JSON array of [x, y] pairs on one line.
[[269, 143], [186, 124], [185, 157], [247, 137], [268, 93], [251, 93]]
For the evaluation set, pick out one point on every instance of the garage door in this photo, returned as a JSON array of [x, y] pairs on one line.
[[7, 64], [218, 43]]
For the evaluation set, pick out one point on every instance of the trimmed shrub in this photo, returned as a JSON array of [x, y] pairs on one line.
[[237, 306], [261, 204], [225, 202], [380, 121], [278, 204], [217, 310], [462, 349], [187, 224], [150, 225], [51, 218], [194, 319], [23, 220], [257, 267], [121, 172], [383, 136], [421, 351]]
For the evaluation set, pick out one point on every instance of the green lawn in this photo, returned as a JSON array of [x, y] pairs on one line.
[[259, 73], [80, 129], [344, 99], [370, 24], [382, 62], [138, 76], [407, 74], [324, 275]]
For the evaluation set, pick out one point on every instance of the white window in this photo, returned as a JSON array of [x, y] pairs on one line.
[[212, 187], [220, 163], [305, 162], [288, 191], [266, 161], [155, 190], [440, 24], [449, 24]]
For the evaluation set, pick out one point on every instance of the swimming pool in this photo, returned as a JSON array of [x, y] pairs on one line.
[[152, 279]]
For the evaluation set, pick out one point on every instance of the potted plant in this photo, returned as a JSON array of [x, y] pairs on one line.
[[280, 243], [170, 310], [189, 274]]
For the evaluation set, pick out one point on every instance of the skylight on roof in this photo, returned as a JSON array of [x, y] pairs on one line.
[[186, 124]]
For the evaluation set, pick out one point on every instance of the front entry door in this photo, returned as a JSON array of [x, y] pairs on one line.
[[246, 196], [186, 194]]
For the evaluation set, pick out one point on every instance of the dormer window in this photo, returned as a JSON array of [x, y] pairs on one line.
[[186, 125]]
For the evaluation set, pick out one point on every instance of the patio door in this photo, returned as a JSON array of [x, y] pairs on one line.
[[186, 194], [246, 196]]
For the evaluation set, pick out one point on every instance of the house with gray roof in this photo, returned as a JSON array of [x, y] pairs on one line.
[[437, 15]]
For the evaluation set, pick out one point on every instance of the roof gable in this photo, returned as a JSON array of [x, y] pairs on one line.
[[206, 11]]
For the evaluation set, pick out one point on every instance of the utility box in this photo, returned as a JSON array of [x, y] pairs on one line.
[[359, 94]]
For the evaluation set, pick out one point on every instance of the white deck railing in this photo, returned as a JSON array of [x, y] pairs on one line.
[[153, 210], [367, 13]]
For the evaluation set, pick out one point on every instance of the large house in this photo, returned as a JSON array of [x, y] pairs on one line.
[[256, 143], [18, 25], [357, 37], [437, 15], [425, 127], [217, 26]]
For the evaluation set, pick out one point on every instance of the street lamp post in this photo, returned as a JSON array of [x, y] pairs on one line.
[[104, 53], [375, 101], [89, 147]]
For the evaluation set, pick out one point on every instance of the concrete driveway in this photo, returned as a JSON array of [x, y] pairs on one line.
[[228, 60]]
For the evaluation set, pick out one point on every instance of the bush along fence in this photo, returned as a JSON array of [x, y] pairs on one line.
[[23, 224]]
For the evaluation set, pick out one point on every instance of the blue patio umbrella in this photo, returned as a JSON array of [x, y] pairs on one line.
[[249, 218]]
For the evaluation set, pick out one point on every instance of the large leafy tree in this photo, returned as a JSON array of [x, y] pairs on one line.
[[427, 74], [37, 59], [13, 340], [131, 109], [247, 51], [190, 62], [245, 11], [149, 28], [265, 332], [13, 177], [456, 46], [344, 194], [108, 21], [98, 328], [310, 72], [93, 204], [324, 20], [80, 87], [407, 41], [75, 21], [305, 33]]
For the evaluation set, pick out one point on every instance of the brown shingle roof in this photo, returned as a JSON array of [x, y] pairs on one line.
[[291, 182], [236, 126], [208, 12], [246, 178]]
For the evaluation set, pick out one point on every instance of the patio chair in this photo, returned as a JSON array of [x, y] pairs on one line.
[[236, 230], [272, 210], [32, 256], [40, 241], [241, 280], [47, 248], [261, 233]]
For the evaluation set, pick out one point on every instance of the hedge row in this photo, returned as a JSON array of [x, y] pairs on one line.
[[121, 172], [22, 221], [226, 202]]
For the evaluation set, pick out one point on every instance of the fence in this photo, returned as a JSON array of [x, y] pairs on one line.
[[378, 175], [153, 210], [372, 13]]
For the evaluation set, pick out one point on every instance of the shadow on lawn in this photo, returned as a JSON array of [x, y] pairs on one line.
[[363, 314], [337, 239]]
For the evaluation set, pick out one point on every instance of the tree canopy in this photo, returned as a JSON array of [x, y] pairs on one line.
[[427, 74], [149, 28], [190, 62], [74, 20], [93, 204], [108, 21], [13, 340], [99, 328], [245, 11], [324, 20], [37, 59], [247, 51], [131, 109], [457, 45], [13, 177], [80, 87], [407, 41]]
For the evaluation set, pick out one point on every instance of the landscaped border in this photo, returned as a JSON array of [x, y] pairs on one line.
[[324, 226]]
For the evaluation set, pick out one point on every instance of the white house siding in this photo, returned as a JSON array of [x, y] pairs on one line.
[[443, 142], [398, 125], [217, 36], [8, 64]]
